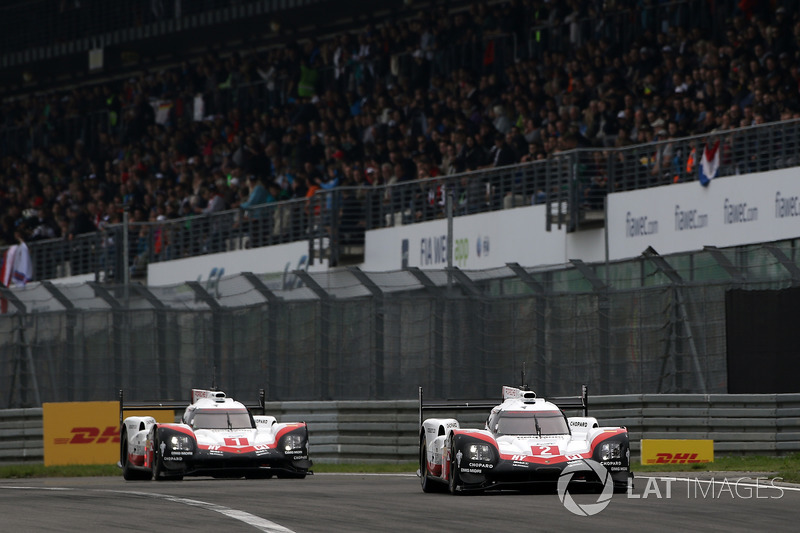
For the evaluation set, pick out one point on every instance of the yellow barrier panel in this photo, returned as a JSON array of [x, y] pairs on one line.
[[677, 451], [86, 433]]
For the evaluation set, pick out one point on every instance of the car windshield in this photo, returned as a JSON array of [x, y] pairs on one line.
[[530, 423], [217, 419]]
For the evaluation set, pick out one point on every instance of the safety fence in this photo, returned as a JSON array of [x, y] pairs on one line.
[[388, 431], [652, 324]]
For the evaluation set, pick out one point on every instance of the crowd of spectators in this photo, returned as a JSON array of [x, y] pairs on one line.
[[395, 101]]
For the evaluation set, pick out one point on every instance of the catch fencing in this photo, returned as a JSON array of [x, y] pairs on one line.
[[388, 431], [653, 324]]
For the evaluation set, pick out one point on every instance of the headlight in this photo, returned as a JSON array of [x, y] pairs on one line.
[[180, 442], [479, 452], [292, 442], [610, 450]]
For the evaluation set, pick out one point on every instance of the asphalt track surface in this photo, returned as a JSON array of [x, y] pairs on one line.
[[386, 503]]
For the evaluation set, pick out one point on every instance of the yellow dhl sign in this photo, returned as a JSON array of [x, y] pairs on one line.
[[677, 451], [86, 433]]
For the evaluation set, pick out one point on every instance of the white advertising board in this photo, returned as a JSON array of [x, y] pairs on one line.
[[730, 211], [278, 258], [481, 241]]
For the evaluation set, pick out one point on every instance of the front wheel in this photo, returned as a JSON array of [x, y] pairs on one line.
[[159, 471], [455, 479]]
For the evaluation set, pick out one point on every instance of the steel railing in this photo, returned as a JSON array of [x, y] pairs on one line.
[[571, 184]]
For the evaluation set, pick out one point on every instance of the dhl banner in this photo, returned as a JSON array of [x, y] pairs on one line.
[[677, 451], [86, 433]]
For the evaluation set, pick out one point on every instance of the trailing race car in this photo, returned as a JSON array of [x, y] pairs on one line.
[[217, 437], [526, 440]]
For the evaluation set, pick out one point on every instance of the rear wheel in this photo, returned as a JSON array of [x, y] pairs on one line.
[[428, 485], [128, 472]]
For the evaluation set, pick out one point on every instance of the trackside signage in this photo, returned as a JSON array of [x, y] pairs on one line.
[[86, 433], [485, 240], [677, 451], [730, 211], [280, 259]]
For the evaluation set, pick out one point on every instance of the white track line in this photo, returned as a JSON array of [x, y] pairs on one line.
[[780, 484], [262, 524]]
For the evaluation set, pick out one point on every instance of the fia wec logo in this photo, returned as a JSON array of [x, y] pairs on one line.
[[90, 435]]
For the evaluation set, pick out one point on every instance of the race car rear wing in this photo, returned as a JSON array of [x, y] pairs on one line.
[[172, 405], [563, 402]]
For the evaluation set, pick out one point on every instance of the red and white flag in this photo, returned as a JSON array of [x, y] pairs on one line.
[[709, 163]]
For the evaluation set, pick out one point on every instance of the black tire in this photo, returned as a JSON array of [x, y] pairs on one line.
[[425, 480], [128, 472], [454, 483], [159, 472]]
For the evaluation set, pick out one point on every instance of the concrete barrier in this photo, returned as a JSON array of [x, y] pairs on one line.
[[387, 431]]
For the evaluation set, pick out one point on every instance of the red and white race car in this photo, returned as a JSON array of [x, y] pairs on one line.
[[526, 440], [217, 437]]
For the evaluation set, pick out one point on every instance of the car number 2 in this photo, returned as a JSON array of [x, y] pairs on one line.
[[544, 450]]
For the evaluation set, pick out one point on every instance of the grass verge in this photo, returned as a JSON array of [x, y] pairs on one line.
[[787, 467], [38, 470]]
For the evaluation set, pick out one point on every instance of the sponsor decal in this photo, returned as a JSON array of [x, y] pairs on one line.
[[433, 250], [677, 451], [87, 435], [638, 226], [736, 213], [86, 432], [482, 246], [689, 219], [786, 206]]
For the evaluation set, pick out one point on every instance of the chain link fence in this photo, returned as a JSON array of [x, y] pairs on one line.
[[654, 324]]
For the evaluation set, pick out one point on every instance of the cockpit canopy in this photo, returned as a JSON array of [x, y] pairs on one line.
[[528, 423], [219, 419]]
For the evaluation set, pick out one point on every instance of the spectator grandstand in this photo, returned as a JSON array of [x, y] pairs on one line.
[[246, 146]]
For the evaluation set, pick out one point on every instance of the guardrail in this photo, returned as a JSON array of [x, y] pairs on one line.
[[21, 436], [386, 431]]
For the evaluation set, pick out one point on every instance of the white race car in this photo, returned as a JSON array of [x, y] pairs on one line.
[[526, 440], [217, 437]]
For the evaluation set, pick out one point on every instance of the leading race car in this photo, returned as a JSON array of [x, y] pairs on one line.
[[217, 437], [526, 440]]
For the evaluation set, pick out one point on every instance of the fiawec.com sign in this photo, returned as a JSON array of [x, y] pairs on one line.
[[86, 433]]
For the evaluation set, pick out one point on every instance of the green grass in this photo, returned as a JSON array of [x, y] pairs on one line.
[[787, 467], [38, 470]]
